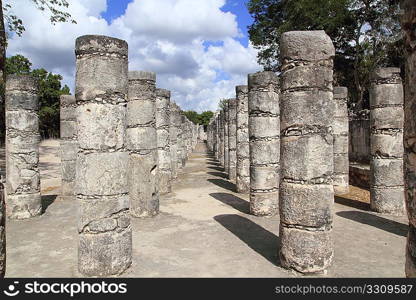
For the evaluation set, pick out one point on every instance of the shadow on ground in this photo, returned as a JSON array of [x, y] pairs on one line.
[[46, 201], [352, 203], [235, 202], [375, 221], [256, 237], [223, 184], [218, 174]]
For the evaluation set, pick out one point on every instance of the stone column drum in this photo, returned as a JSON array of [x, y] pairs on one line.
[[173, 130], [340, 132], [101, 186], [408, 21], [264, 135], [142, 144], [386, 119], [2, 232], [306, 190], [163, 140], [226, 137], [243, 148], [23, 198], [68, 145], [232, 139]]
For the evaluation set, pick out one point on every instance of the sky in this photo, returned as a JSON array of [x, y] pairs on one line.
[[199, 49]]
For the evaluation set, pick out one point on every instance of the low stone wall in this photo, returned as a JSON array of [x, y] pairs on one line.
[[360, 175]]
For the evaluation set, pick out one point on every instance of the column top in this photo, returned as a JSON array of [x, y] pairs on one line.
[[385, 74], [162, 93], [306, 45], [21, 82], [100, 43], [263, 78], [142, 75], [67, 99], [340, 92], [241, 89]]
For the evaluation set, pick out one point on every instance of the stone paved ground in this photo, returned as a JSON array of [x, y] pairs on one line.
[[204, 230]]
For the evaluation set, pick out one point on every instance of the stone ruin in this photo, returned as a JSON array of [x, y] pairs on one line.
[[283, 140]]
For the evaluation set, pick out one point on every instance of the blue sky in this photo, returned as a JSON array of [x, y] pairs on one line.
[[199, 49]]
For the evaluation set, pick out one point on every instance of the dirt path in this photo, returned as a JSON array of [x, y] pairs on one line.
[[203, 230]]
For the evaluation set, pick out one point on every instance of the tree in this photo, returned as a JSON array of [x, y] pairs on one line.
[[366, 34], [50, 90], [15, 24], [201, 119]]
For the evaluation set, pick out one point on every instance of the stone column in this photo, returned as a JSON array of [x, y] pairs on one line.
[[243, 148], [386, 119], [408, 21], [306, 190], [264, 135], [232, 139], [340, 131], [105, 236], [68, 145], [173, 130], [215, 136], [226, 137], [181, 136], [23, 198], [163, 140], [221, 138], [142, 144], [2, 233]]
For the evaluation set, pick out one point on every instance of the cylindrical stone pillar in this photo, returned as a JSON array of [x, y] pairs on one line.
[[22, 148], [142, 144], [163, 140], [232, 139], [306, 190], [181, 136], [408, 21], [386, 119], [226, 137], [264, 136], [221, 123], [243, 148], [68, 145], [2, 232], [173, 130], [101, 186], [340, 132]]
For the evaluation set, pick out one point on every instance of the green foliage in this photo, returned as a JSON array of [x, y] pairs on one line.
[[223, 103], [50, 90], [366, 34], [57, 15], [201, 119]]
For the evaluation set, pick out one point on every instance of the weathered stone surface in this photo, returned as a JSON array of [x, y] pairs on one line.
[[306, 251], [105, 238], [386, 121], [307, 151], [264, 142], [142, 142], [243, 145], [221, 137], [173, 132], [22, 148], [340, 132], [163, 140], [306, 204], [226, 137], [68, 145], [232, 139], [2, 233]]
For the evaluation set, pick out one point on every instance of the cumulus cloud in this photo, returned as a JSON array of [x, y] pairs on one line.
[[168, 37]]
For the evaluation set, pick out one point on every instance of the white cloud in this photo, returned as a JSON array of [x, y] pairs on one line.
[[164, 36]]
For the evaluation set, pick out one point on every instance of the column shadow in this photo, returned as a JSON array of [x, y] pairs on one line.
[[223, 184], [235, 202], [47, 200], [352, 203], [256, 237], [218, 174], [376, 221], [221, 169]]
